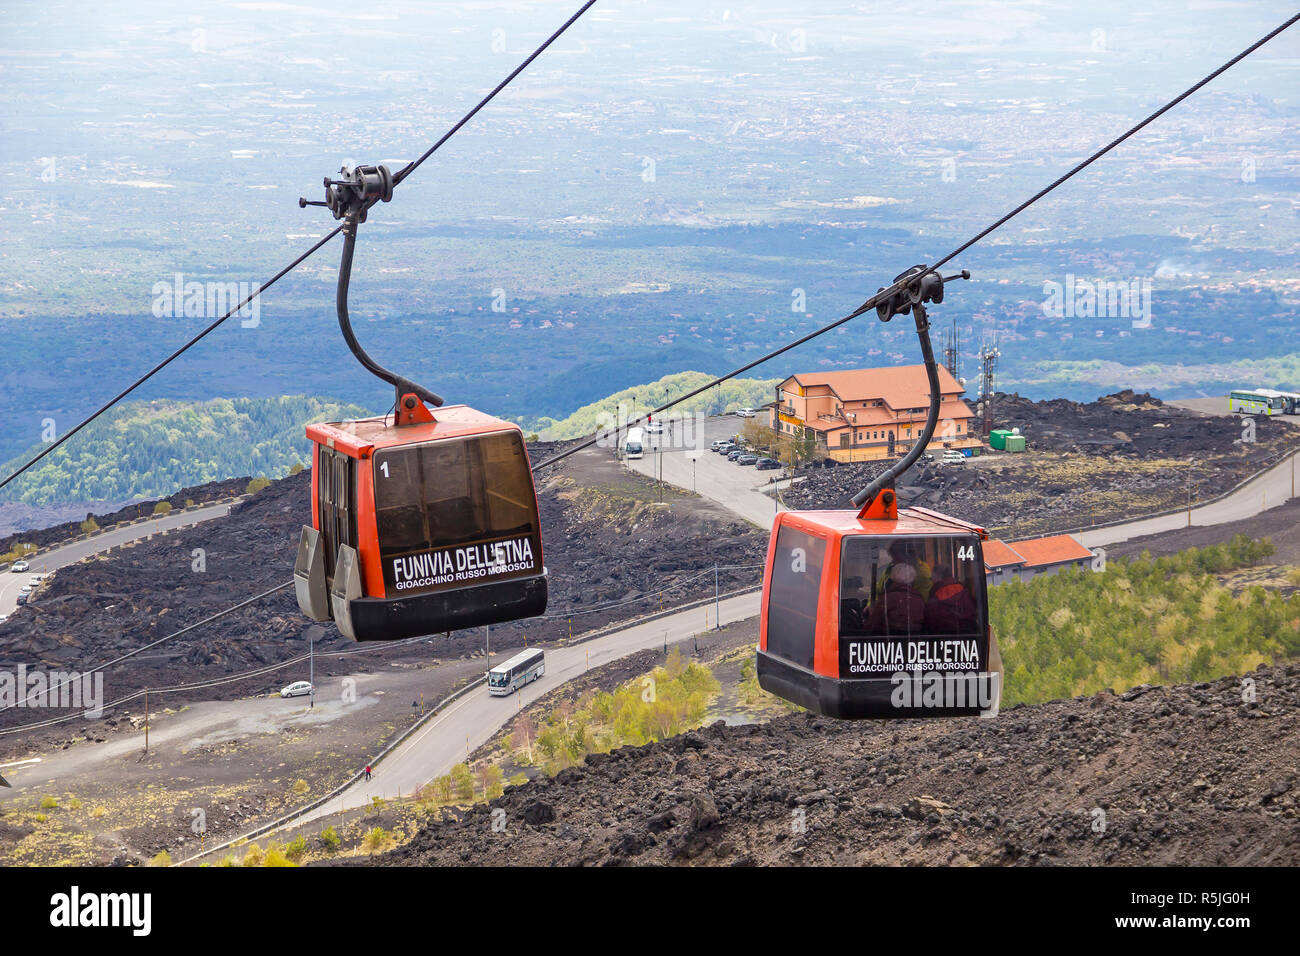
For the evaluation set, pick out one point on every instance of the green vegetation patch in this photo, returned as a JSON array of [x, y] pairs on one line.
[[1140, 621]]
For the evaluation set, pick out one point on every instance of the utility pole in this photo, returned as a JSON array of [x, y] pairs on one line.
[[717, 613], [311, 669], [146, 720]]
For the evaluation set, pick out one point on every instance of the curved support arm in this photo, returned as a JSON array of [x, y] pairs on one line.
[[403, 385], [886, 480]]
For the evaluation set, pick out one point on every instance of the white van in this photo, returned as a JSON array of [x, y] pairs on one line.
[[634, 443]]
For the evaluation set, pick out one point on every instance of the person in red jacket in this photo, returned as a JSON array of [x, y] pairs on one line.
[[367, 771], [951, 607], [900, 609]]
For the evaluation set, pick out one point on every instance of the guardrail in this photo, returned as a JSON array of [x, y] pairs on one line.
[[1276, 462], [116, 526], [288, 818]]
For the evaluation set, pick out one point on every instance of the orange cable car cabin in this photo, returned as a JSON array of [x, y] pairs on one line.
[[423, 521], [883, 615], [420, 528]]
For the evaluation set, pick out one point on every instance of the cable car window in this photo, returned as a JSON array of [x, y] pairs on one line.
[[336, 500], [794, 594], [455, 513], [912, 585]]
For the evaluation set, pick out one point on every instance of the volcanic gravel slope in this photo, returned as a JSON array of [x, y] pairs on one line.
[[604, 543], [1120, 456], [1158, 775]]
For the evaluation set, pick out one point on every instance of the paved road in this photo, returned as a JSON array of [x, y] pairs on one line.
[[61, 557], [1275, 487], [468, 723], [738, 488]]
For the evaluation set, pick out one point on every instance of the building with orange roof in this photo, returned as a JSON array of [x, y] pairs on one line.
[[870, 413], [1023, 560]]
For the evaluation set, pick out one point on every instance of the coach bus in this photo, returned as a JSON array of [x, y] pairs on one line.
[[524, 668], [1259, 401]]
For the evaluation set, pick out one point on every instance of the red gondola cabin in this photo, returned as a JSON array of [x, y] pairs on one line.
[[882, 615], [420, 525]]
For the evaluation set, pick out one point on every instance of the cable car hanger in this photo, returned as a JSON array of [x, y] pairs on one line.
[[349, 198], [920, 284]]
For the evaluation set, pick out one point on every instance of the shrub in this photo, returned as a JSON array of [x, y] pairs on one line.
[[300, 788], [254, 856], [463, 782], [49, 803], [89, 526], [163, 858], [256, 485], [296, 848], [376, 840], [162, 508], [275, 856], [329, 838]]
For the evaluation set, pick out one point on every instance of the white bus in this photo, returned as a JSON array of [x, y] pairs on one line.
[[634, 443], [1258, 401], [524, 668]]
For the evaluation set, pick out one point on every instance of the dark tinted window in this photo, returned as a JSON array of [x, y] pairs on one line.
[[793, 594], [912, 585], [455, 513]]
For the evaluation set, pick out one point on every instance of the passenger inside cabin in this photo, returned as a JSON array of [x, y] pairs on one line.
[[900, 608], [951, 607], [905, 551]]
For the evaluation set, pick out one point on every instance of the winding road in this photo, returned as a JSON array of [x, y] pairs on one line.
[[11, 582]]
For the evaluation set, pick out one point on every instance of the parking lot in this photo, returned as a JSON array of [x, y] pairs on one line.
[[680, 456]]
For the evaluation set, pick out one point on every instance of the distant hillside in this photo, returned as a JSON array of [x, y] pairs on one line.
[[150, 449], [639, 399]]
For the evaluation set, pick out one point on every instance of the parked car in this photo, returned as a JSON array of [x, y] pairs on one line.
[[767, 464], [35, 579], [747, 460], [25, 589], [720, 443], [747, 412], [21, 566], [21, 600], [298, 688], [953, 457], [735, 453]]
